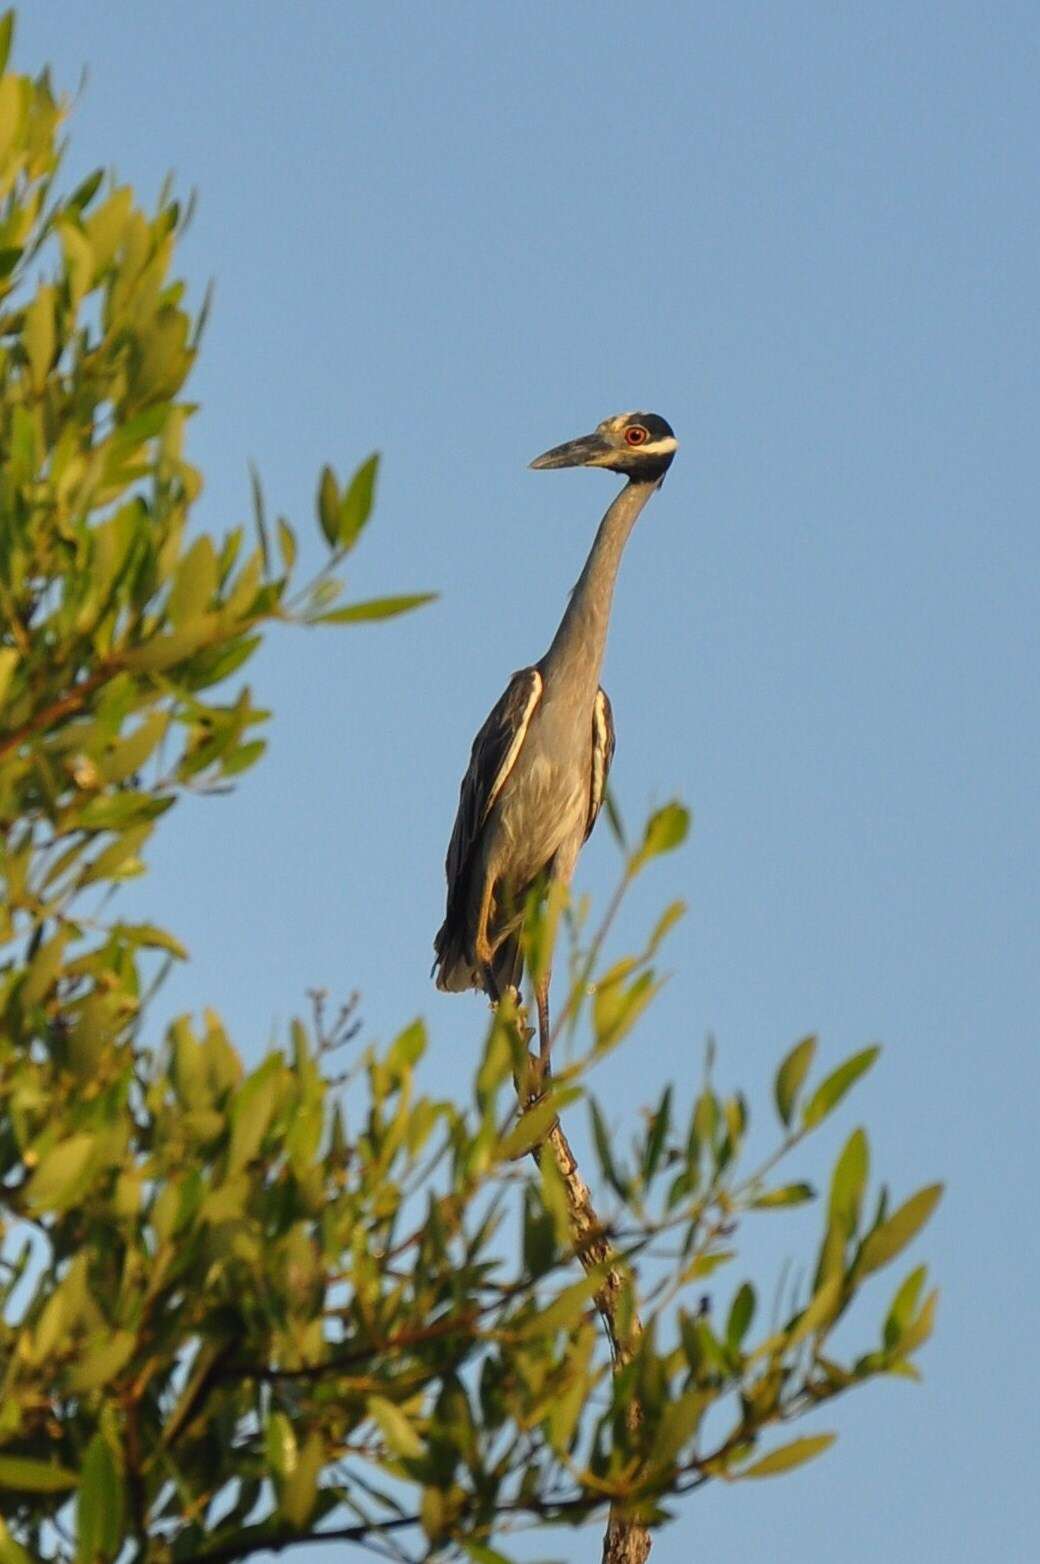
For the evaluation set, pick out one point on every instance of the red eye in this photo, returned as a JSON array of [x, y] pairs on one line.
[[637, 435]]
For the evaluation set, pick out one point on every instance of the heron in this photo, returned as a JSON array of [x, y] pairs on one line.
[[538, 768]]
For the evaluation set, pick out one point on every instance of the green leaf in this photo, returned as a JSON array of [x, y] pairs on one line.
[[786, 1195], [666, 829], [919, 1330], [286, 543], [44, 969], [791, 1075], [194, 584], [703, 1265], [280, 1446], [327, 505], [6, 34], [657, 1135], [85, 192], [904, 1305], [120, 858], [113, 811], [251, 1111], [819, 1312], [617, 1006], [260, 517], [8, 663], [153, 938], [679, 1423], [614, 820], [99, 1364], [100, 1505], [130, 754], [672, 915], [481, 1554], [375, 608], [398, 1432], [58, 1181], [300, 1493], [832, 1089], [787, 1457], [245, 756], [11, 1552], [566, 1308], [849, 1182], [535, 1123], [24, 1475], [891, 1237], [407, 1048], [163, 651], [356, 505], [741, 1314], [601, 1136], [38, 335]]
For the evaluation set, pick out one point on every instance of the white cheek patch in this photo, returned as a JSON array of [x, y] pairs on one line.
[[663, 447]]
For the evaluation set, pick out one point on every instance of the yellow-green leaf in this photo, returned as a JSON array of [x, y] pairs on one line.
[[787, 1457], [375, 608], [300, 1491], [819, 1312], [616, 1007], [25, 1475], [58, 1180], [355, 507], [286, 543], [99, 1508], [8, 664], [280, 1442], [154, 938], [665, 830], [892, 1236], [567, 1308], [786, 1195], [790, 1076], [327, 505], [398, 1432], [100, 1363], [534, 1124], [11, 1552], [39, 336], [44, 969], [163, 651], [918, 1332], [849, 1182], [833, 1088], [251, 1113], [194, 583]]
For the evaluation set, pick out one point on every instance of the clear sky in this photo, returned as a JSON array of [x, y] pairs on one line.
[[808, 235]]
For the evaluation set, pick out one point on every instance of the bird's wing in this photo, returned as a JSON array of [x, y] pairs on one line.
[[604, 741], [493, 757]]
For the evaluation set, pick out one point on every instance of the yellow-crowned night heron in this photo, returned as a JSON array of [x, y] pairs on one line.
[[539, 765]]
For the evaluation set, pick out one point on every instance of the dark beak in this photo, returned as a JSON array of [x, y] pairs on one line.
[[589, 451]]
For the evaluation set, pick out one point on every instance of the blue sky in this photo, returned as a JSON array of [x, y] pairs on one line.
[[807, 235]]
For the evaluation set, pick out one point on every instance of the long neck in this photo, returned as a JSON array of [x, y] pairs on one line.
[[578, 643]]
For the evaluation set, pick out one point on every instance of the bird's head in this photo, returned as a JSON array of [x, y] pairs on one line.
[[640, 445]]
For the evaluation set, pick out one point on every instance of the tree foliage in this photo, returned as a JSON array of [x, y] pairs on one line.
[[246, 1306]]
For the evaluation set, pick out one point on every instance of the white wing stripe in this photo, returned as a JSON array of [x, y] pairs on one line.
[[599, 751], [522, 726]]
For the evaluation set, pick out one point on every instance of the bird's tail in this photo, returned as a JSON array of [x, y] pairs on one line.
[[455, 970]]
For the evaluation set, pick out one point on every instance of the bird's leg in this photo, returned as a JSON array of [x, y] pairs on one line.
[[491, 984], [541, 994]]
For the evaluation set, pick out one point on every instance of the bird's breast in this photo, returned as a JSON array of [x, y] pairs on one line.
[[544, 803]]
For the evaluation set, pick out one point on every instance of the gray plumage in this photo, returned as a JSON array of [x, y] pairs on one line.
[[539, 765]]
